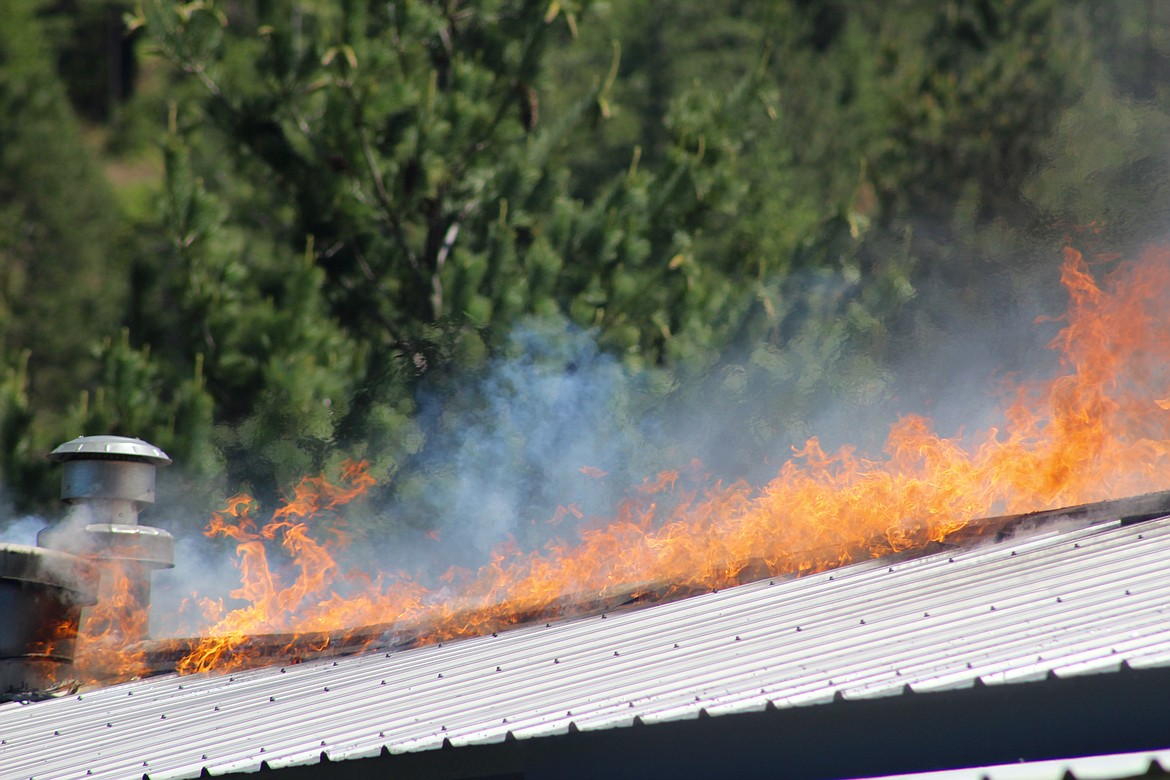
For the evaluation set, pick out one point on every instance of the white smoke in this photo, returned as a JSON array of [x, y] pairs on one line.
[[556, 431], [22, 530]]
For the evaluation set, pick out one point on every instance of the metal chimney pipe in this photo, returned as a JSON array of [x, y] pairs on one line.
[[108, 480]]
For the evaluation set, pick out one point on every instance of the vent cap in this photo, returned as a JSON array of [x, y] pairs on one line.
[[108, 447]]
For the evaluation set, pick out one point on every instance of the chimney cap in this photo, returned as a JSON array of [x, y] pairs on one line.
[[108, 447]]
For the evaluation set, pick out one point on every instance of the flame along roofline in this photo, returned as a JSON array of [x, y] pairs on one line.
[[163, 656]]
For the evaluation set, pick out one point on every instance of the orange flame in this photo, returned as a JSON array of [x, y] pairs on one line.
[[107, 642], [1096, 431], [307, 602]]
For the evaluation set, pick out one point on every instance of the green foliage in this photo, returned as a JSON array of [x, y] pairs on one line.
[[425, 181], [376, 193], [93, 54], [269, 362], [17, 446], [361, 203], [59, 280], [1104, 179]]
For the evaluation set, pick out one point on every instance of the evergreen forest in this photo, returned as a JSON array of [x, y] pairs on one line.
[[497, 247]]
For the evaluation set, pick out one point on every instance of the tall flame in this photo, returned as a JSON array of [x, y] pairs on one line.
[[107, 640], [1101, 429]]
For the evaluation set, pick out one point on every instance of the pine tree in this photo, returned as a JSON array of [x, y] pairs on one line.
[[371, 196], [60, 280]]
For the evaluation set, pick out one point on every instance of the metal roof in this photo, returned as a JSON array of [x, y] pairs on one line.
[[1121, 765], [1055, 604]]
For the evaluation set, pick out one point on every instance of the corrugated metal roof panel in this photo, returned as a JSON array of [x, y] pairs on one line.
[[1121, 765], [1078, 602]]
